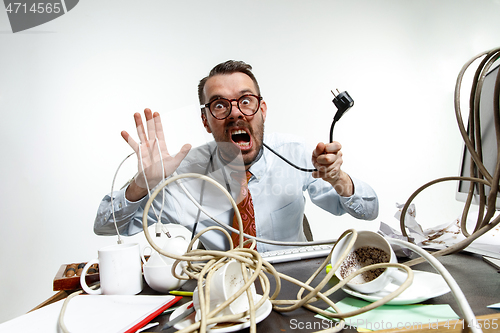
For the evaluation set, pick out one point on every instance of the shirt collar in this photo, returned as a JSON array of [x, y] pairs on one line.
[[258, 168]]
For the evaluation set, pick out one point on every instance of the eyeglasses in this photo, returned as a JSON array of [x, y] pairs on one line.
[[221, 108]]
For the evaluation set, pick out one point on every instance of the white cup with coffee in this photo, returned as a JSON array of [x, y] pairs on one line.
[[369, 248], [119, 270]]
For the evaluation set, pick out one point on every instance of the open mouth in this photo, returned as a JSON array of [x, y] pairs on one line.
[[241, 138]]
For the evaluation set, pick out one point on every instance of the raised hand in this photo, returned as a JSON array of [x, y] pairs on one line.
[[151, 151]]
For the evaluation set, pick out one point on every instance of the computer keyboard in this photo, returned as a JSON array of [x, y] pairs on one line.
[[297, 253]]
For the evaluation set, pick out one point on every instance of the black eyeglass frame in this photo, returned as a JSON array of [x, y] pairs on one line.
[[259, 99]]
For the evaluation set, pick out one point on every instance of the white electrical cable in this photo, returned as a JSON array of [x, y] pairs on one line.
[[111, 197], [230, 228], [455, 289], [195, 202], [120, 241], [158, 223], [147, 185], [457, 293], [217, 256], [315, 293], [257, 265]]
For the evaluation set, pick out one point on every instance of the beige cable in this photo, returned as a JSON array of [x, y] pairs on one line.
[[472, 141], [251, 260]]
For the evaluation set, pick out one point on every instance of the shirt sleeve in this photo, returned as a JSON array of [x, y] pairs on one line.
[[128, 215], [363, 204]]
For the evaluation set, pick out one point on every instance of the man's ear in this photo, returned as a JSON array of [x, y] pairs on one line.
[[205, 122], [263, 109]]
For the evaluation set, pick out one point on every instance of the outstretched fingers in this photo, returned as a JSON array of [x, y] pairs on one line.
[[150, 124], [149, 154], [131, 142], [182, 153], [159, 132], [174, 162], [140, 127]]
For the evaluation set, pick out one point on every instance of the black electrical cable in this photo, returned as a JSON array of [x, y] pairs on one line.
[[228, 188], [343, 102], [287, 161], [331, 130]]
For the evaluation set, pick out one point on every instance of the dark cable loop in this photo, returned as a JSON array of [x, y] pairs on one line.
[[295, 166], [287, 161]]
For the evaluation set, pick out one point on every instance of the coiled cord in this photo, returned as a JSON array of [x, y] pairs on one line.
[[472, 141], [251, 260]]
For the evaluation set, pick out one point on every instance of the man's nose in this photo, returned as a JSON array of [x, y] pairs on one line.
[[235, 110]]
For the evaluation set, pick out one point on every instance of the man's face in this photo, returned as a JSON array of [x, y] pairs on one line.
[[243, 133]]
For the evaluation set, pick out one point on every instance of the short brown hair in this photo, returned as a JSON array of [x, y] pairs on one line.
[[228, 67]]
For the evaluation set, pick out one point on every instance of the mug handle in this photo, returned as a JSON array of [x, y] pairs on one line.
[[143, 258], [83, 283]]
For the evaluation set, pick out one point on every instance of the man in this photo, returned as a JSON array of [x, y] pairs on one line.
[[234, 112]]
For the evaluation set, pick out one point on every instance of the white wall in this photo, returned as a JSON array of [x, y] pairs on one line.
[[68, 87]]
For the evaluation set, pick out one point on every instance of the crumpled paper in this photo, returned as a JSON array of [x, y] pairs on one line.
[[438, 237]]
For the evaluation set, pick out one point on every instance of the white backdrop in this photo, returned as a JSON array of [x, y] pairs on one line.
[[68, 87]]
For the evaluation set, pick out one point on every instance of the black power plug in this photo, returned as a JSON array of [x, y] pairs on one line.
[[343, 102]]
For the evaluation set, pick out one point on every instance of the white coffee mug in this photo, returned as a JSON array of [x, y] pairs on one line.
[[225, 282], [119, 270], [376, 248]]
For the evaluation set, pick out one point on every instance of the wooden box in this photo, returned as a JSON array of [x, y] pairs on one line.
[[63, 282]]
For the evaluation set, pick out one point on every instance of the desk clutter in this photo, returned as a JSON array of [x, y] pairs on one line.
[[68, 276]]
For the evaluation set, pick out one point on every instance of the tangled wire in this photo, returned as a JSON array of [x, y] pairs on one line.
[[479, 175], [201, 265]]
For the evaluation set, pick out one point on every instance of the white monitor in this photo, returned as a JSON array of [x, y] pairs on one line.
[[488, 139]]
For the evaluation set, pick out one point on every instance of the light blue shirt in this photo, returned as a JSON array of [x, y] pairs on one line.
[[277, 191]]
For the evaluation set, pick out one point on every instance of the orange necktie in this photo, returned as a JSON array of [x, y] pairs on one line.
[[245, 206]]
